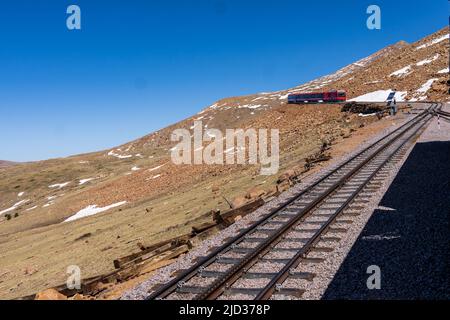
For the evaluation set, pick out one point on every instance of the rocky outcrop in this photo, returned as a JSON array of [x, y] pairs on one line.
[[50, 294]]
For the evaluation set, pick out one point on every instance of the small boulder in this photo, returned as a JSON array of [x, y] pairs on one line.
[[283, 186], [288, 175], [255, 193], [29, 271], [78, 296], [50, 294], [238, 202], [272, 192]]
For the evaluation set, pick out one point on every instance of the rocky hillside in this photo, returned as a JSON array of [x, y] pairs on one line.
[[89, 209], [4, 164]]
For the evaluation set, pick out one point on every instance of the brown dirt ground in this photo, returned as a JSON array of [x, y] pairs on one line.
[[34, 258]]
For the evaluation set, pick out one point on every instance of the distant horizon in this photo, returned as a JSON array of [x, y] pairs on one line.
[[104, 149], [67, 93]]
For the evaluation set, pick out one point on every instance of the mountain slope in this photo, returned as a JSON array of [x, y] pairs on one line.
[[4, 164], [140, 195]]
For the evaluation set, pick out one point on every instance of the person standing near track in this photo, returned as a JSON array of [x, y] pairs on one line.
[[393, 107]]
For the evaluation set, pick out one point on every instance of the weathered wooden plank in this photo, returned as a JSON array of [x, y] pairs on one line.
[[203, 227], [120, 262], [135, 269], [145, 256], [229, 217]]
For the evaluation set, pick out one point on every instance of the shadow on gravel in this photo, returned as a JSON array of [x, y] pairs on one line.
[[408, 236]]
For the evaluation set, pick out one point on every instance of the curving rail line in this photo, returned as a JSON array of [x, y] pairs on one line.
[[284, 238]]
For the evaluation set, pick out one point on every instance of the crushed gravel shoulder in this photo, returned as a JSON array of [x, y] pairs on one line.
[[407, 236], [165, 274]]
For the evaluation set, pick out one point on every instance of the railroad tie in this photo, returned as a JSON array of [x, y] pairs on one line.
[[331, 239], [293, 292], [321, 249]]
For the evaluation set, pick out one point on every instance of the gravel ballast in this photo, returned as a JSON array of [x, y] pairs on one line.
[[407, 235], [318, 286]]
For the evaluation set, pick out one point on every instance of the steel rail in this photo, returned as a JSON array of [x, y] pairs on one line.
[[445, 118], [232, 275], [171, 287], [283, 274]]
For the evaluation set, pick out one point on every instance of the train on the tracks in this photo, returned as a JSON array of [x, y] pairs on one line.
[[333, 96]]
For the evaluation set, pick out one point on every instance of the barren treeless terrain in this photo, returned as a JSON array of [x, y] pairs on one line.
[[152, 199], [4, 164]]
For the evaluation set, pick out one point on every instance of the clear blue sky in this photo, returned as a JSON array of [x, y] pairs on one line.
[[137, 66]]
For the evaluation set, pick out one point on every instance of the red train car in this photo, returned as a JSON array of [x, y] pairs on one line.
[[318, 97]]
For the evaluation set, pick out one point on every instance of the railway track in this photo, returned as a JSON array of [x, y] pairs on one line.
[[443, 114], [267, 260]]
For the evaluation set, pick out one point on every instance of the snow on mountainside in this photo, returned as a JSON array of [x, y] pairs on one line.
[[418, 72], [402, 66], [134, 192]]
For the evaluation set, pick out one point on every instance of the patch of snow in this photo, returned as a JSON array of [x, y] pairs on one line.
[[380, 96], [47, 205], [373, 82], [433, 42], [14, 206], [31, 208], [421, 92], [59, 185], [157, 176], [426, 86], [51, 197], [259, 98], [20, 194], [92, 210], [250, 106], [403, 71], [83, 162], [135, 168], [427, 61], [113, 154], [194, 125], [367, 115], [210, 133], [156, 168], [229, 150], [446, 70], [83, 181]]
